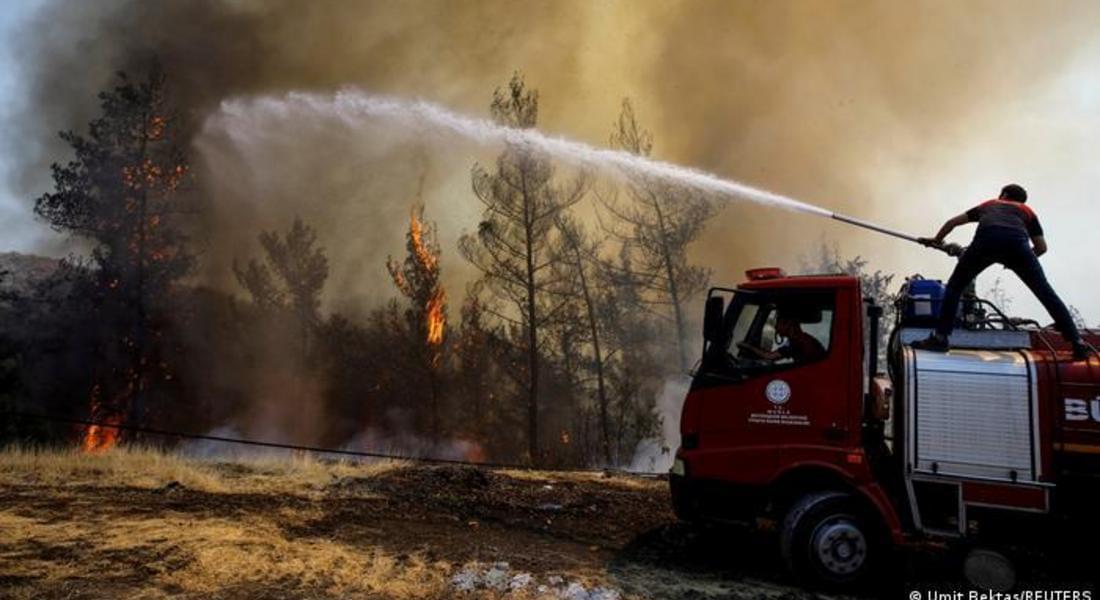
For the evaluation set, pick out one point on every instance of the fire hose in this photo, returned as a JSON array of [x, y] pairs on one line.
[[319, 450], [951, 249]]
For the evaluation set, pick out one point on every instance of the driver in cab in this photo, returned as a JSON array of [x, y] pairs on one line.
[[799, 346]]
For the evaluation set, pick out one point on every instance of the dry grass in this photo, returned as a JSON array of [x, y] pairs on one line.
[[180, 555], [196, 558], [298, 474], [609, 479], [104, 525], [146, 468]]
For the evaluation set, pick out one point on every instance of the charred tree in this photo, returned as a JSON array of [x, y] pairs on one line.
[[474, 362], [290, 278], [513, 245], [285, 342], [487, 380], [660, 221], [636, 361], [580, 260], [121, 193]]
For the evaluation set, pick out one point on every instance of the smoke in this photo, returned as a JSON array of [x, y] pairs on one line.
[[656, 455], [213, 49], [410, 445], [851, 105], [371, 441]]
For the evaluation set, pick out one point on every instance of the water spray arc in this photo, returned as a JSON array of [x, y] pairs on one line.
[[239, 118]]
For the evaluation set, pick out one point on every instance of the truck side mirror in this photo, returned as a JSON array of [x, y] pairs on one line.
[[712, 319]]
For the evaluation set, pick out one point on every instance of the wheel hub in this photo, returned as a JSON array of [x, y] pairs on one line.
[[840, 547], [988, 569]]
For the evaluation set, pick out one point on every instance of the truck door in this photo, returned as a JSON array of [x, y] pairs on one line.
[[780, 381]]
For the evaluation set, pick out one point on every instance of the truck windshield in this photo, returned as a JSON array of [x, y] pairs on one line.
[[774, 330]]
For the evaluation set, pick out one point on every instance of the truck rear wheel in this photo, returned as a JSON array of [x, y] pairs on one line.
[[987, 569], [828, 542]]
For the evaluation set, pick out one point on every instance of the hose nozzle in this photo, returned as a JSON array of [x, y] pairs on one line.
[[952, 249], [949, 248]]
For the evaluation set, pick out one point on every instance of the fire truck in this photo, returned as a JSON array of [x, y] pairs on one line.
[[796, 417]]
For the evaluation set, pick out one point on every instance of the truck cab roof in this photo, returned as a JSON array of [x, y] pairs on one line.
[[832, 281]]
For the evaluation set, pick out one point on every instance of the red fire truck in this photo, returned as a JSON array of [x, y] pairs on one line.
[[790, 419]]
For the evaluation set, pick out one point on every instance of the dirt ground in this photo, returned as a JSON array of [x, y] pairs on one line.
[[137, 526]]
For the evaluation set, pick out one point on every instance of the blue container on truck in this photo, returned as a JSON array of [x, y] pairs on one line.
[[922, 301]]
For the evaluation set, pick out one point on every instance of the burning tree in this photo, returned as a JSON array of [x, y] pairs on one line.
[[417, 278], [121, 193], [513, 245], [661, 222]]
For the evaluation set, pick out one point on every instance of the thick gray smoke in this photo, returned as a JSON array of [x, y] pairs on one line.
[[808, 99]]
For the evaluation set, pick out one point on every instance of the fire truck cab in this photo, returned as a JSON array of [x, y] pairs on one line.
[[790, 419]]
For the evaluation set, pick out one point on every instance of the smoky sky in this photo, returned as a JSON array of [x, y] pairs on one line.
[[802, 97]]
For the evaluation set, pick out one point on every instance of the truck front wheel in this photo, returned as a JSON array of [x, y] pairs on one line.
[[827, 541], [684, 499]]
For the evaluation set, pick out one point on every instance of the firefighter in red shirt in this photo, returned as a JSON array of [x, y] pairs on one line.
[[1008, 233]]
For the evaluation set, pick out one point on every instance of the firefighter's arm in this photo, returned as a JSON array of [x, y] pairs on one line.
[[1039, 245], [759, 352], [950, 226]]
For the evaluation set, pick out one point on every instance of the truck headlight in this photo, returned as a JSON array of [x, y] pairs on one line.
[[679, 468]]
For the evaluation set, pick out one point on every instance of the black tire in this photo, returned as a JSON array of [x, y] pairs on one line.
[[827, 542], [685, 502]]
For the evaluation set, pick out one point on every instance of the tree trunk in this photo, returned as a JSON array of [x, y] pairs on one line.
[[532, 334], [673, 289], [137, 377], [433, 384], [601, 390]]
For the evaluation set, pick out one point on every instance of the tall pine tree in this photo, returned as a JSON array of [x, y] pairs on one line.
[[121, 193], [418, 279], [513, 247]]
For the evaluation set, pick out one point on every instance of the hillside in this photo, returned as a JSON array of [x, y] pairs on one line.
[[19, 272]]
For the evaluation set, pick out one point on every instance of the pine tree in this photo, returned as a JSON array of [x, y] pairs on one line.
[[418, 279], [513, 245], [122, 194], [580, 262], [290, 278], [661, 221]]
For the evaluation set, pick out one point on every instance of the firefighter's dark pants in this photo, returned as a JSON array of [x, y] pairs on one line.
[[1011, 248]]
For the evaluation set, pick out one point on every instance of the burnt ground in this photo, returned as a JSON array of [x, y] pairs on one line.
[[615, 532]]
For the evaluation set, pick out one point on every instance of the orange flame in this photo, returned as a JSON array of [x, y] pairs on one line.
[[436, 320], [430, 262], [98, 439], [474, 452], [423, 255], [423, 272]]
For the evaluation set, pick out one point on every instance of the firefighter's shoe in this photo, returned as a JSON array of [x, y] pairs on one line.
[[1081, 351], [932, 343]]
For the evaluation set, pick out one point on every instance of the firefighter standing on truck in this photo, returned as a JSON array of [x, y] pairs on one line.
[[1005, 228]]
